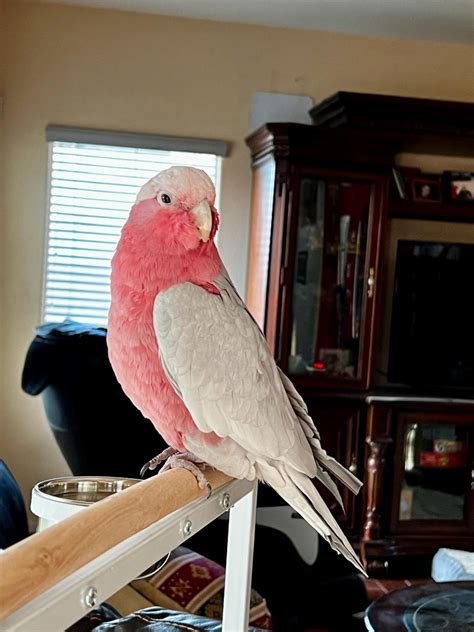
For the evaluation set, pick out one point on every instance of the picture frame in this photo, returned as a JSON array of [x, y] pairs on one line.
[[426, 190], [459, 187]]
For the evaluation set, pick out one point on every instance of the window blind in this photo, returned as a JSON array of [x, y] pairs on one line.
[[91, 190]]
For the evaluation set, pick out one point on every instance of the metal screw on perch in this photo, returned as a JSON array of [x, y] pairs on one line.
[[90, 597], [225, 501], [187, 527]]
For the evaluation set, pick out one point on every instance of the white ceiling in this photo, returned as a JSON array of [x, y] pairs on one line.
[[438, 20]]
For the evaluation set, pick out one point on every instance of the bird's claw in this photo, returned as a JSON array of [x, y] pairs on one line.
[[184, 460], [145, 468], [189, 462], [153, 463]]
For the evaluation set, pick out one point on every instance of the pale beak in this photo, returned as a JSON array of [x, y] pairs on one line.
[[202, 216]]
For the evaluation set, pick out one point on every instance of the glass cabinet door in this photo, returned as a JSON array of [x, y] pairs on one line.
[[435, 471], [330, 285]]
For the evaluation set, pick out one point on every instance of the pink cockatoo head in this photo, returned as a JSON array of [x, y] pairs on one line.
[[174, 212]]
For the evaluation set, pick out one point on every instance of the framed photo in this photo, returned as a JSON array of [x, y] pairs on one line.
[[459, 186], [425, 190]]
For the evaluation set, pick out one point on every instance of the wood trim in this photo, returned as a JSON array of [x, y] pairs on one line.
[[374, 477], [287, 271], [382, 113], [406, 209], [351, 460], [417, 402], [277, 245], [346, 146], [380, 227], [30, 567]]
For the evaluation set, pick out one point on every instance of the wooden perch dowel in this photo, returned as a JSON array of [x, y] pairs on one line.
[[30, 567]]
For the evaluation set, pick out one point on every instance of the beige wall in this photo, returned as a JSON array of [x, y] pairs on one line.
[[143, 73], [2, 226]]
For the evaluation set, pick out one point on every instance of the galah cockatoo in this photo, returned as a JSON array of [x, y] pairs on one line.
[[190, 356]]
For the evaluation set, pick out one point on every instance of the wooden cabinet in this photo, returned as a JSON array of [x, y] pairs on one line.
[[419, 477], [314, 261], [322, 202]]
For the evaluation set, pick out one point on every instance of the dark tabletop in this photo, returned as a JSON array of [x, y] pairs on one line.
[[440, 607]]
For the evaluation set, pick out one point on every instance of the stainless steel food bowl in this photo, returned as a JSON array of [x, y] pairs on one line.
[[55, 499]]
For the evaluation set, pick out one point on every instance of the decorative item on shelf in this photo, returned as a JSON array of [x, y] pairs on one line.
[[400, 183], [334, 362], [426, 189], [446, 453], [438, 460], [459, 186]]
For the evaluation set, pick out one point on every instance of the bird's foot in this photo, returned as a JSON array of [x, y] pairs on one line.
[[156, 460], [189, 462]]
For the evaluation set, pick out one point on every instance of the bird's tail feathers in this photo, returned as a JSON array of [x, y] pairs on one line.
[[323, 460], [324, 478], [329, 464], [299, 492]]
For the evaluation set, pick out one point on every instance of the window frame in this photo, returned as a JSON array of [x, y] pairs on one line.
[[102, 138]]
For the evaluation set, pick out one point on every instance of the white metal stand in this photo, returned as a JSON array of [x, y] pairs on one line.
[[238, 575], [75, 595]]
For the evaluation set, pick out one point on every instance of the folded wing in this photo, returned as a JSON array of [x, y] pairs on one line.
[[217, 360]]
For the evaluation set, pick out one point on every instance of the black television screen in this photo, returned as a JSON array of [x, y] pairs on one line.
[[432, 330]]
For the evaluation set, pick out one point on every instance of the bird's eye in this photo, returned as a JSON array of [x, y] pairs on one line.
[[164, 198]]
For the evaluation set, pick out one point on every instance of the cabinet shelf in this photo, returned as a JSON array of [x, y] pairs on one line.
[[406, 209]]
